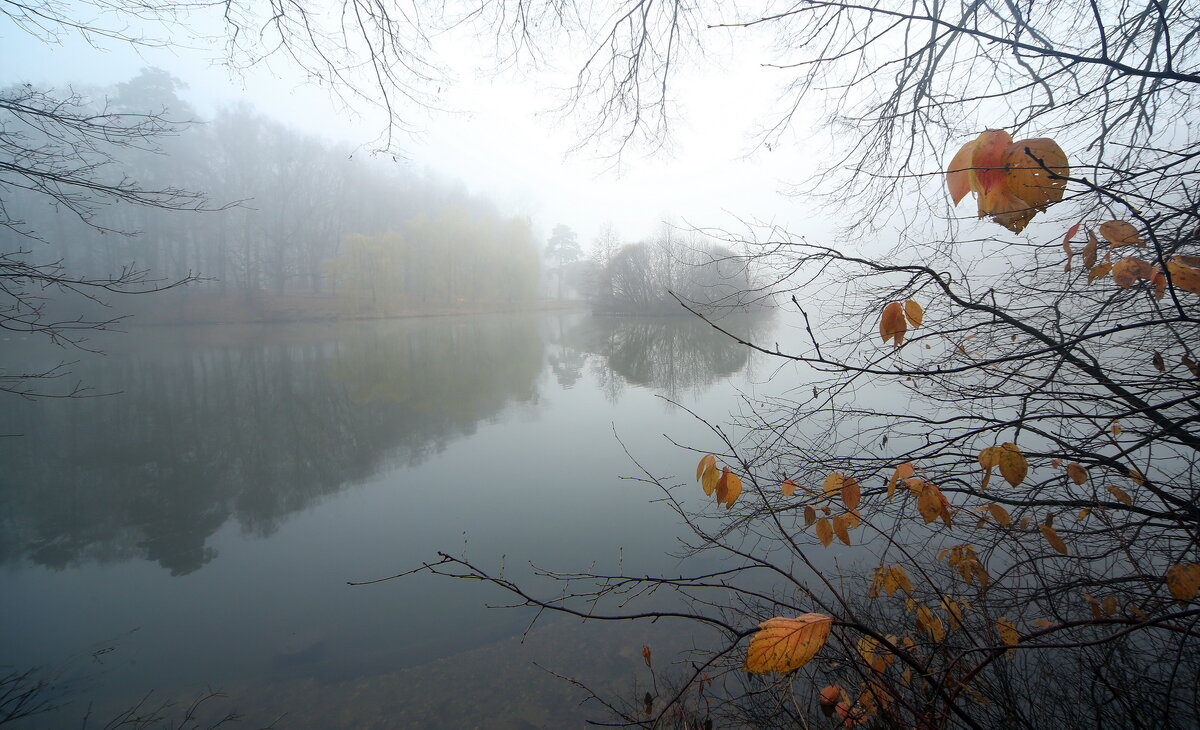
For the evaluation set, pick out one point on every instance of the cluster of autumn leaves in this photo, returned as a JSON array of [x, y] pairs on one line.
[[782, 644], [1012, 181]]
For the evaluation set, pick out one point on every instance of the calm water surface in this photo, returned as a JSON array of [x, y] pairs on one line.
[[198, 527]]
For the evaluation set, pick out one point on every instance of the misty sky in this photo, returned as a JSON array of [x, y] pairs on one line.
[[501, 137]]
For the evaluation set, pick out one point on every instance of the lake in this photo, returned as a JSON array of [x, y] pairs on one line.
[[196, 526]]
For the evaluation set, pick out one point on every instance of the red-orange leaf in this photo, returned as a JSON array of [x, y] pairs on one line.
[[1066, 244], [782, 645], [892, 324], [1010, 179]]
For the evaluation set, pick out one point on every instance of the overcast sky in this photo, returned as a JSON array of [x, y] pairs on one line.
[[504, 140]]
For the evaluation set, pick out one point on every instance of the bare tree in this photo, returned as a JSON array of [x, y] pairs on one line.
[[1062, 591]]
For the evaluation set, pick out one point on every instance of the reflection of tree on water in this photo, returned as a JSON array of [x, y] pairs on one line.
[[667, 354], [254, 431]]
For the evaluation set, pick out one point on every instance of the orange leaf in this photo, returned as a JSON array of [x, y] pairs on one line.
[[729, 486], [1120, 233], [840, 528], [903, 471], [810, 515], [789, 487], [1013, 466], [706, 461], [892, 325], [1077, 472], [824, 531], [833, 483], [1009, 181], [784, 644], [646, 655], [1120, 495], [1183, 581], [1008, 632], [1053, 538], [851, 493], [1128, 271], [1066, 244], [999, 514], [1089, 250], [1098, 272], [913, 313], [1184, 276]]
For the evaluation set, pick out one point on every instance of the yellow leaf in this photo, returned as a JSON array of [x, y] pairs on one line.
[[999, 514], [1053, 538], [1077, 472], [782, 645], [1083, 514], [788, 487], [1008, 633], [824, 531], [840, 528], [1013, 466], [1109, 605], [899, 579], [913, 313], [1120, 233], [930, 623], [832, 483], [1120, 494], [712, 475], [1183, 581], [891, 323], [706, 461], [851, 493]]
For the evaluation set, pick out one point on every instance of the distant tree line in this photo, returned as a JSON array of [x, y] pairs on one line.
[[655, 276], [289, 213]]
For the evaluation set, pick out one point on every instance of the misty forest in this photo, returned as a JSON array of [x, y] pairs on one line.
[[524, 364]]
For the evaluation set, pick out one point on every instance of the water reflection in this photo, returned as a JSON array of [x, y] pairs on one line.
[[671, 355], [253, 430], [253, 425]]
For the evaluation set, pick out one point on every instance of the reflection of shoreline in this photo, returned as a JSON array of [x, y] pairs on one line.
[[670, 354], [256, 430]]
